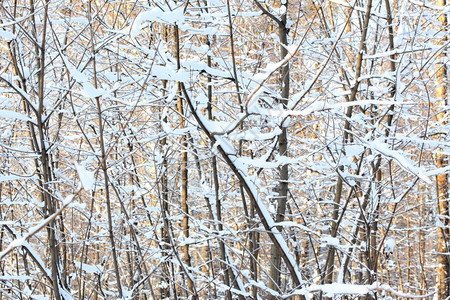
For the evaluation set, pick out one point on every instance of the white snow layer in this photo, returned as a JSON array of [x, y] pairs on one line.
[[7, 114], [404, 162], [332, 289], [87, 178], [389, 246], [175, 16], [90, 269], [7, 35]]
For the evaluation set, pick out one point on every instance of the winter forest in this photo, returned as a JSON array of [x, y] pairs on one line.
[[224, 149]]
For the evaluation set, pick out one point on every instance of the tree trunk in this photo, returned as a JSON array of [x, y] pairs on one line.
[[443, 272], [283, 184], [184, 178], [103, 160], [329, 266]]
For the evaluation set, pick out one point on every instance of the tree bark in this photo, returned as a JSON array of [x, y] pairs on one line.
[[443, 272], [329, 266], [184, 177], [103, 160]]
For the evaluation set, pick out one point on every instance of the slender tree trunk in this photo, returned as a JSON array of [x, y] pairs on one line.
[[422, 245], [215, 171], [164, 288], [229, 274], [46, 177], [283, 184], [329, 266], [254, 249], [443, 272], [184, 177], [165, 284], [443, 283], [103, 160]]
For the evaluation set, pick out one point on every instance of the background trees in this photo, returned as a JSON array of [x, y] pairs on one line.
[[223, 149]]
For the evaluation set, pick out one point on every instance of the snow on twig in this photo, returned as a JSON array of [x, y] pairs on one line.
[[332, 289], [230, 156], [22, 241]]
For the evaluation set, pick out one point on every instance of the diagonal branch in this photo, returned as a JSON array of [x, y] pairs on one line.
[[269, 14], [229, 156]]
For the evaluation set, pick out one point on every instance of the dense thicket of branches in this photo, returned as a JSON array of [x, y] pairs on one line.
[[223, 149]]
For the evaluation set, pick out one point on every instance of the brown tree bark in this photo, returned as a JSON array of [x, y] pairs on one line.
[[283, 184], [443, 271], [329, 266], [103, 160], [184, 177]]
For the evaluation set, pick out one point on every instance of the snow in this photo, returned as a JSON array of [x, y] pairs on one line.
[[316, 106], [255, 134], [329, 241], [80, 20], [389, 246], [39, 297], [77, 205], [16, 177], [258, 162], [88, 89], [342, 289], [238, 279], [402, 161], [200, 66], [136, 68], [333, 289], [271, 224], [359, 8], [225, 145], [438, 171], [91, 92], [354, 150], [36, 256], [7, 35], [296, 225], [175, 16], [90, 269], [252, 188], [21, 278], [18, 89], [77, 75], [169, 72], [68, 199], [87, 178]]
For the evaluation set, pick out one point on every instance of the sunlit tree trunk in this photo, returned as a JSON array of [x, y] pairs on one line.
[[209, 268], [184, 178], [443, 272]]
